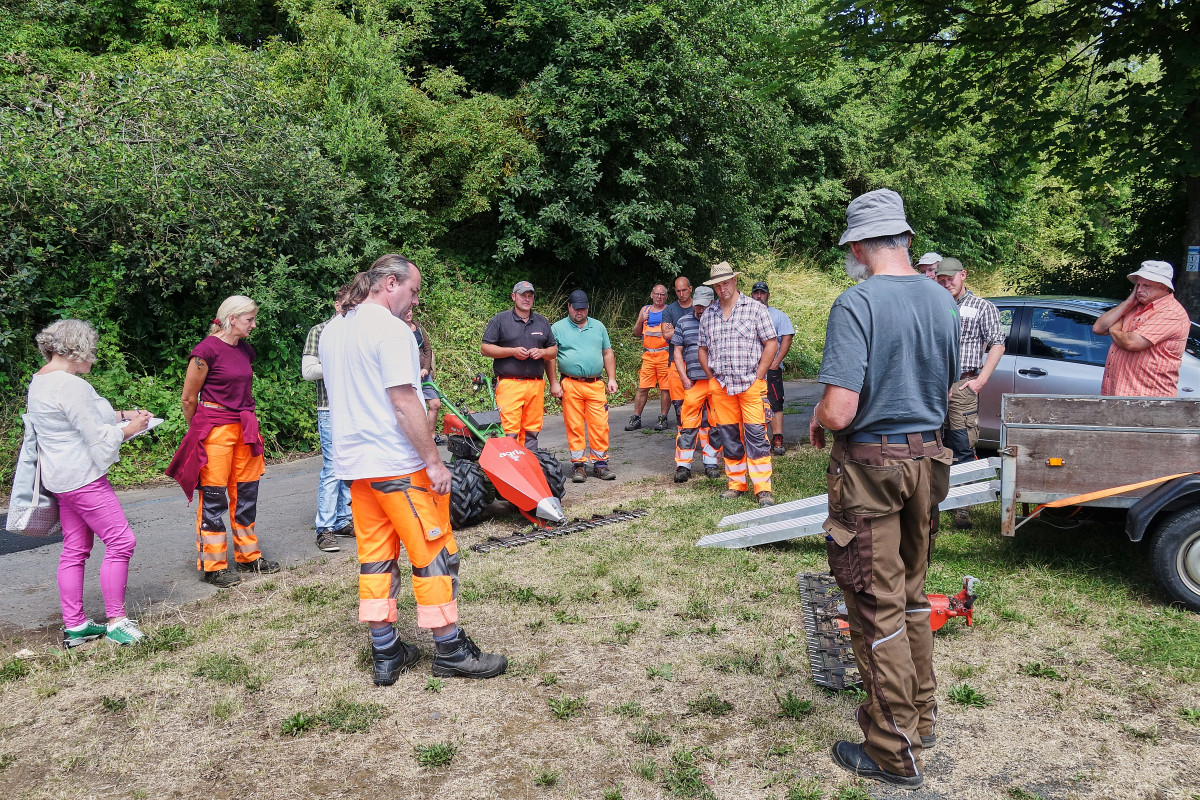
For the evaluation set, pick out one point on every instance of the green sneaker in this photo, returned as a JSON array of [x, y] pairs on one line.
[[124, 631], [82, 634]]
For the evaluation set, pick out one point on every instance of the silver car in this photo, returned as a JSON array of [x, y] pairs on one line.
[[1051, 349]]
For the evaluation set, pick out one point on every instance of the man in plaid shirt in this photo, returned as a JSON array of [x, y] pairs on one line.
[[982, 346], [737, 345], [333, 496]]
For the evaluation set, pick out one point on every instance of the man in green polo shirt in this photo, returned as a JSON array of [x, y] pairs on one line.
[[583, 350]]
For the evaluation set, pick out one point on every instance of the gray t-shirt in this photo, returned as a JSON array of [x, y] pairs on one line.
[[895, 340]]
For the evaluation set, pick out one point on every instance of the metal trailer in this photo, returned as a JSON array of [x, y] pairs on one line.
[[1139, 454]]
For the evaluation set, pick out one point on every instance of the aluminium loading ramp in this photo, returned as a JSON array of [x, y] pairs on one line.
[[971, 483]]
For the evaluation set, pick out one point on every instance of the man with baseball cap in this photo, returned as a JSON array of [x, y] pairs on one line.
[[737, 344], [693, 415], [654, 328], [583, 349], [1149, 330], [784, 335], [928, 264], [522, 344], [887, 472], [981, 347]]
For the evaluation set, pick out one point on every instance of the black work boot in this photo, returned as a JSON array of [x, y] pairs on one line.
[[460, 658], [854, 758], [662, 423], [393, 660], [635, 422], [682, 474]]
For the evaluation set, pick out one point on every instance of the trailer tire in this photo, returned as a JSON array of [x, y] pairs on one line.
[[553, 472], [1175, 556], [469, 493]]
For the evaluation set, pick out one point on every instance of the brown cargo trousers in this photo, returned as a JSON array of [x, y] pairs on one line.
[[961, 429], [879, 538]]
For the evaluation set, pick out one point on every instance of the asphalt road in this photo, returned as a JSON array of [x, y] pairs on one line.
[[163, 571]]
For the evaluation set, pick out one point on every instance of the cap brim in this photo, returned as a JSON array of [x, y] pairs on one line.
[[875, 230]]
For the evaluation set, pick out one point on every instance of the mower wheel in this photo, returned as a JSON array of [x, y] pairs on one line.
[[554, 474], [468, 493], [1175, 556]]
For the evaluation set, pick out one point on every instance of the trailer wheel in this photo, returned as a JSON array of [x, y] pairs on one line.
[[553, 472], [1175, 556], [468, 493]]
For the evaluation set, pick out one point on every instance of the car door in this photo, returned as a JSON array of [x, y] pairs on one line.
[[1064, 356], [1003, 380]]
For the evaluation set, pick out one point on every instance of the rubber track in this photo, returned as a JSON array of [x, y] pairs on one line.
[[540, 534]]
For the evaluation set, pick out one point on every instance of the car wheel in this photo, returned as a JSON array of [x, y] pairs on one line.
[[1175, 556]]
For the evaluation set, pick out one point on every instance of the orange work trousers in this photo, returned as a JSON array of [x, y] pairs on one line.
[[404, 510], [674, 384], [585, 415], [693, 426], [654, 371], [522, 403], [742, 422], [229, 481]]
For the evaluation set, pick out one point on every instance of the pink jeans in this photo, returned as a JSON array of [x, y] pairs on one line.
[[89, 511]]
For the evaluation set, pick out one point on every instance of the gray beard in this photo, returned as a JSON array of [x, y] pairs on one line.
[[857, 270]]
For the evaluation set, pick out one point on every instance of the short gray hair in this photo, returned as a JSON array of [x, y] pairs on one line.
[[392, 265], [73, 339], [899, 241]]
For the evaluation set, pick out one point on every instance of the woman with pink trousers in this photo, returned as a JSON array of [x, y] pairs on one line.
[[79, 438]]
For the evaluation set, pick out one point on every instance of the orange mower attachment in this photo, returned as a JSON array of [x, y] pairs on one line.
[[518, 477]]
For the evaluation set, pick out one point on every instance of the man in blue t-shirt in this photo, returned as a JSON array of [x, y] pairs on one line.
[[891, 356]]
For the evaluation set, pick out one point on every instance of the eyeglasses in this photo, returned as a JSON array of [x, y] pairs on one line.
[[658, 294]]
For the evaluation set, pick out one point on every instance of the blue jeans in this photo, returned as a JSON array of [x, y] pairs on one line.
[[333, 496]]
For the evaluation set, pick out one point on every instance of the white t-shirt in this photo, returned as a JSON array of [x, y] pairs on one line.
[[362, 354], [77, 434]]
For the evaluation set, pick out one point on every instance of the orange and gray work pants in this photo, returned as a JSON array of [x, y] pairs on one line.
[[585, 416], [228, 481], [404, 510], [693, 427], [741, 420], [522, 403], [883, 498], [961, 430]]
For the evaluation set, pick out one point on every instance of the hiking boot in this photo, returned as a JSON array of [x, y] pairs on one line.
[[962, 518], [124, 632], [460, 658], [682, 474], [732, 494], [326, 543], [777, 448], [602, 472], [579, 474], [928, 740], [712, 471], [89, 631], [221, 578], [764, 499], [852, 757], [260, 565], [635, 422], [662, 423], [346, 531], [390, 661]]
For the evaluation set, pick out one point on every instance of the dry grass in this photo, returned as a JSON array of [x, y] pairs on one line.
[[684, 672]]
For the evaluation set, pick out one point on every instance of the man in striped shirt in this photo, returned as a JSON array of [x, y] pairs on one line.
[[982, 345], [1149, 330]]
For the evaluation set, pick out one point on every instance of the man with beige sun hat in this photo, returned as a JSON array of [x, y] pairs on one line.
[[737, 343]]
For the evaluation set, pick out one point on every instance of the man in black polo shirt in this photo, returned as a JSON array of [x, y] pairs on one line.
[[521, 343]]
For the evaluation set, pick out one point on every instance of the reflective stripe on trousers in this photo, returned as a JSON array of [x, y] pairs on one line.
[[228, 482], [742, 423]]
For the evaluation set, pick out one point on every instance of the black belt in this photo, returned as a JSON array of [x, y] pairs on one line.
[[968, 374], [515, 378], [890, 438], [582, 380]]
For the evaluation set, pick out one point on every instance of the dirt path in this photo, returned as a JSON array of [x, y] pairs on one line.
[[162, 570]]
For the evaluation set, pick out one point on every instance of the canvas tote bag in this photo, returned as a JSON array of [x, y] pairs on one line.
[[32, 511]]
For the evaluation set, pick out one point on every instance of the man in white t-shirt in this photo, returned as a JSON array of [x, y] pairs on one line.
[[399, 487]]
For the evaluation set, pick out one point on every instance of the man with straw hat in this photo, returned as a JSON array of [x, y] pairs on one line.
[[1149, 330], [891, 355], [737, 344]]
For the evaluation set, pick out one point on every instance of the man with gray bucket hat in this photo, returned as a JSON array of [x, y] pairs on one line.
[[1149, 330], [891, 356]]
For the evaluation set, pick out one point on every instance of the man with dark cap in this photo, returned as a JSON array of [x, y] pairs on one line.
[[887, 472], [784, 335], [522, 344], [583, 349]]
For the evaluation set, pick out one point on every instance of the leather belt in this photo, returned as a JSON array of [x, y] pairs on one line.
[[891, 438], [968, 374], [515, 378], [582, 380]]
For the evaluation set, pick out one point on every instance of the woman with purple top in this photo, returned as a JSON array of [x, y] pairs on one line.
[[79, 438], [222, 453]]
